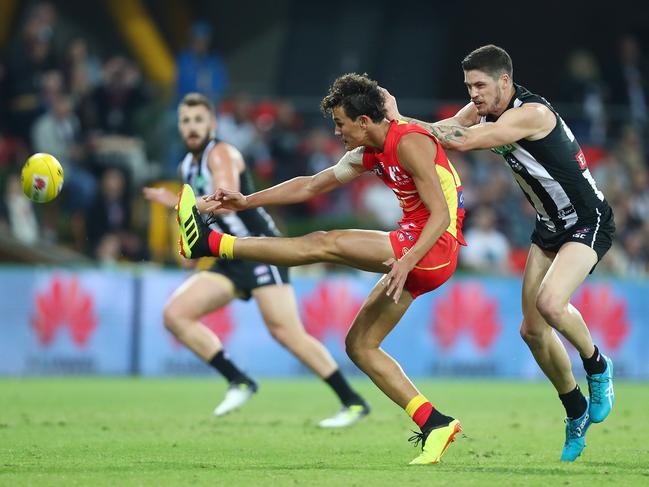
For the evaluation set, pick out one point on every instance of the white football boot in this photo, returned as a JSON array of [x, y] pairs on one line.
[[235, 397], [347, 416]]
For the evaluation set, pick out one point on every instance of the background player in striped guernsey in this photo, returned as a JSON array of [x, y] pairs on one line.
[[210, 164], [574, 224], [420, 256]]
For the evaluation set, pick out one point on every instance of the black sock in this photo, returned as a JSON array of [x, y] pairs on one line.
[[341, 387], [574, 402], [226, 367], [594, 364], [435, 420]]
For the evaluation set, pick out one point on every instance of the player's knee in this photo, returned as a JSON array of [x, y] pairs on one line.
[[172, 318], [531, 335], [280, 333], [551, 307], [324, 245], [353, 349]]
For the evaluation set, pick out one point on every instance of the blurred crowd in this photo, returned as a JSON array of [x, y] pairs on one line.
[[113, 133]]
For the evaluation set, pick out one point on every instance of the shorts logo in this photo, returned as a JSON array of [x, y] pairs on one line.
[[400, 237], [260, 269], [265, 279], [581, 233], [409, 236], [405, 250]]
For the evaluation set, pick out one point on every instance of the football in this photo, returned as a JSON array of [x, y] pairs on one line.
[[42, 178]]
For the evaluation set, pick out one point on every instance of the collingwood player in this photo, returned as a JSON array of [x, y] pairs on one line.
[[211, 164], [574, 224]]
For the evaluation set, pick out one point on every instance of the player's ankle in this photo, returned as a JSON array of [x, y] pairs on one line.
[[221, 245]]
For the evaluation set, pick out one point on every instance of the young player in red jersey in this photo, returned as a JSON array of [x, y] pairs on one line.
[[420, 256]]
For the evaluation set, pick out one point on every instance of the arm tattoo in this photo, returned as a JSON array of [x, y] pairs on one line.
[[448, 135]]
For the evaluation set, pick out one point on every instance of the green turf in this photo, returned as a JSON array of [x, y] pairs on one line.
[[160, 432]]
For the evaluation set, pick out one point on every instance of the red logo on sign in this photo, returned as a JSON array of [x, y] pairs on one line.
[[64, 305], [604, 313], [581, 159], [466, 309], [330, 308]]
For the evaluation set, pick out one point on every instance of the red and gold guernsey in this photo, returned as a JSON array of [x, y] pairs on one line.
[[387, 167]]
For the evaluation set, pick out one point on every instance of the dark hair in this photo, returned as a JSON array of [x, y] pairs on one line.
[[491, 59], [357, 94], [196, 99]]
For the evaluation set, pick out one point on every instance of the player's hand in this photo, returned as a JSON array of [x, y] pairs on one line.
[[160, 195], [395, 280], [224, 199], [390, 105]]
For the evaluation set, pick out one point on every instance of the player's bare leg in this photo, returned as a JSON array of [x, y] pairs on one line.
[[375, 320], [539, 336], [278, 308], [200, 294]]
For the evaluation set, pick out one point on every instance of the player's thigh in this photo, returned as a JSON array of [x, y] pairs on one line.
[[569, 269], [363, 249], [376, 318], [201, 293], [278, 306], [536, 267]]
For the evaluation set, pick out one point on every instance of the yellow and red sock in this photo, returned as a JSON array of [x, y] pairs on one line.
[[221, 245], [419, 409]]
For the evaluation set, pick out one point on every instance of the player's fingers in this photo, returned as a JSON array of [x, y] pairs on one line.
[[390, 262]]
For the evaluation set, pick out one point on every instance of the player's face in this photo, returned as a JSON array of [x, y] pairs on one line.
[[485, 92], [195, 124], [351, 132]]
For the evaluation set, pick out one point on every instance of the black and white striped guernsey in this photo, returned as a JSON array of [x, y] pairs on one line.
[[253, 222], [552, 172]]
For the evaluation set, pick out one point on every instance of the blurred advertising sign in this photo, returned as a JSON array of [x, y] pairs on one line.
[[60, 322]]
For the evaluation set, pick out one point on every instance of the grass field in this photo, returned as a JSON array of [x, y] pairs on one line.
[[161, 432]]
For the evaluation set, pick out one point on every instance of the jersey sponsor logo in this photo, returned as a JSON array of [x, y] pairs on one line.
[[581, 159], [513, 162], [399, 178], [503, 149], [378, 170]]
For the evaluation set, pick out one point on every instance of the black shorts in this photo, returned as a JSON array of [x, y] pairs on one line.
[[598, 234], [247, 275]]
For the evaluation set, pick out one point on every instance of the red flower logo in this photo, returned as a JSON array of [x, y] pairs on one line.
[[220, 322], [330, 308], [63, 305], [465, 309], [604, 313]]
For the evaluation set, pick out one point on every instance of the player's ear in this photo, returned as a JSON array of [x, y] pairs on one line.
[[363, 121]]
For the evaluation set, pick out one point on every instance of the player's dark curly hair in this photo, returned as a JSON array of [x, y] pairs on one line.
[[491, 59], [357, 94]]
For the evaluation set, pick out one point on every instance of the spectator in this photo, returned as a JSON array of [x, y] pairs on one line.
[[488, 249], [200, 69]]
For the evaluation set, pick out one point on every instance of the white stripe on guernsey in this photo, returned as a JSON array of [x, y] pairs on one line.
[[517, 103], [538, 206], [592, 244], [593, 184], [551, 186], [276, 274]]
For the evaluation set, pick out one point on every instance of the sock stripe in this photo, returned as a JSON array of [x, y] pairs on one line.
[[226, 248], [415, 403]]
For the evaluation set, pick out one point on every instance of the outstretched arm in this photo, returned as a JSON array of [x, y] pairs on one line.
[[295, 190]]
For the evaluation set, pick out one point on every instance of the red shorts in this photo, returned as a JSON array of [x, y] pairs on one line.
[[434, 268]]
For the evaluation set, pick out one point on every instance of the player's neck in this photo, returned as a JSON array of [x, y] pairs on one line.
[[505, 101], [377, 134]]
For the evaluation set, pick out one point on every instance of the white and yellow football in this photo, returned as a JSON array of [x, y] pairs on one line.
[[42, 178]]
